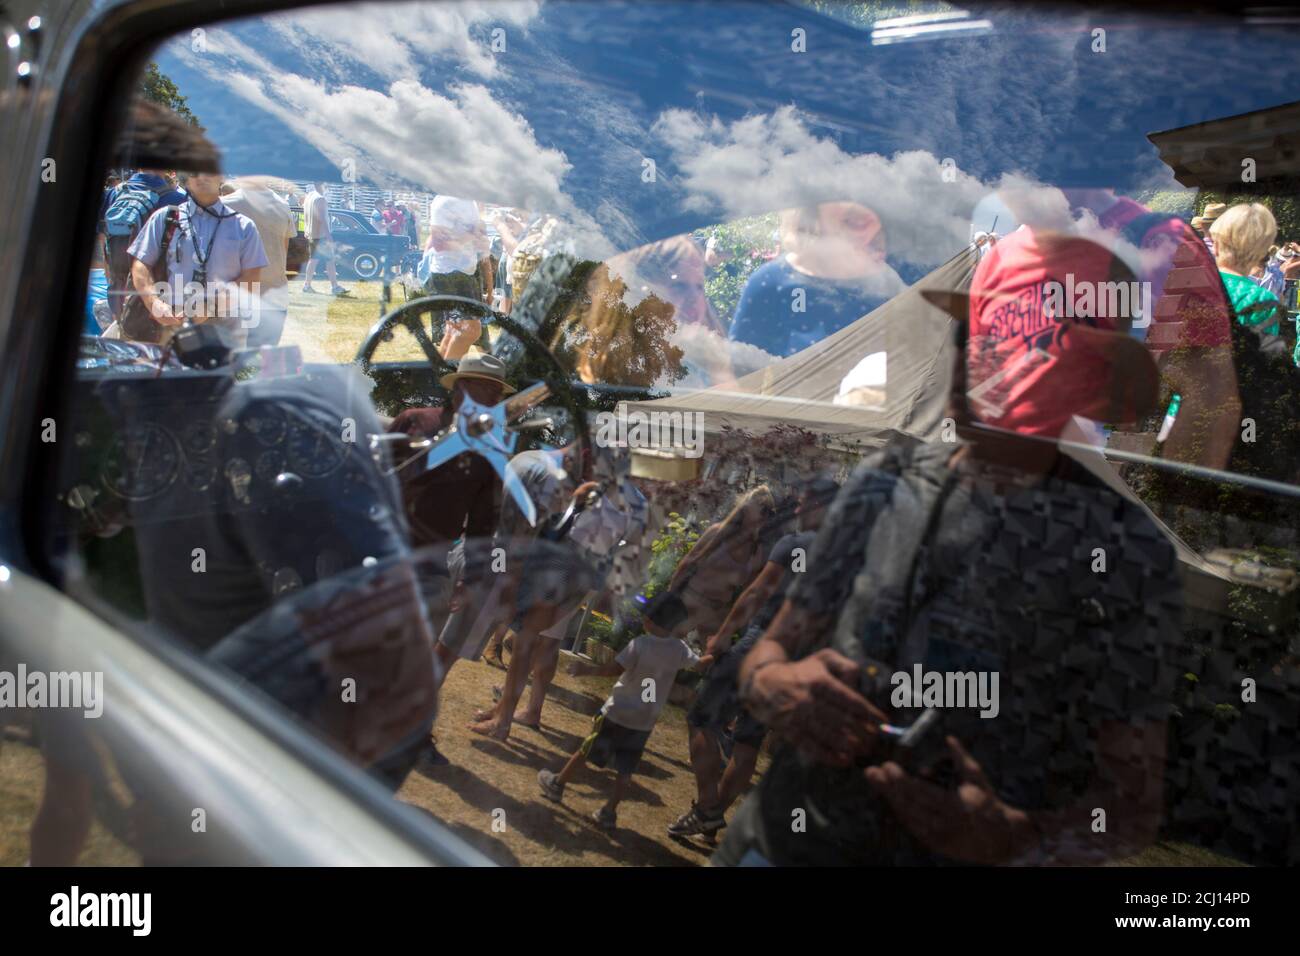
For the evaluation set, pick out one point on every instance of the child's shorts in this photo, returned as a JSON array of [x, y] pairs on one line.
[[614, 745]]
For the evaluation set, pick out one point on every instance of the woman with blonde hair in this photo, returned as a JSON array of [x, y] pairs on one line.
[[1242, 237]]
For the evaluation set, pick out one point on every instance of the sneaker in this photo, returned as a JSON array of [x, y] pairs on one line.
[[339, 290], [696, 821], [309, 290], [552, 789], [605, 818]]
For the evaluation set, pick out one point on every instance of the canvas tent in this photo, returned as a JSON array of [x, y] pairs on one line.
[[915, 335]]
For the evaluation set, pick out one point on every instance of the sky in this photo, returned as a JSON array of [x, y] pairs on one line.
[[741, 108]]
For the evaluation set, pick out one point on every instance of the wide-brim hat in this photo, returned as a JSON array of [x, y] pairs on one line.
[[482, 365], [1210, 213]]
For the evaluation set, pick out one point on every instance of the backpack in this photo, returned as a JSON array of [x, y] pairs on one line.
[[128, 210], [131, 205]]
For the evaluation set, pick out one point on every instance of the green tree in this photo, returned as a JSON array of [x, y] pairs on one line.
[[1278, 194], [161, 89], [746, 244]]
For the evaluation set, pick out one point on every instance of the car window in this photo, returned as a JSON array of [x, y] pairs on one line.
[[340, 223], [945, 358]]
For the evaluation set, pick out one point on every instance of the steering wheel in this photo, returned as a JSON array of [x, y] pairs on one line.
[[408, 314], [491, 431]]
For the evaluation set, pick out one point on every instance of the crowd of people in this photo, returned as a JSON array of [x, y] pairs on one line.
[[782, 650]]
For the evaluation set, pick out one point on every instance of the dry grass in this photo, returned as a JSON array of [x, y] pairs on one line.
[[485, 776], [22, 784]]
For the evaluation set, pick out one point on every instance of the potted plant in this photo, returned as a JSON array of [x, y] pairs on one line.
[[599, 645]]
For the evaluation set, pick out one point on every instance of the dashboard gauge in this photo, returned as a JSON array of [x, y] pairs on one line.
[[198, 437], [200, 474], [316, 446], [142, 461], [269, 464], [267, 424]]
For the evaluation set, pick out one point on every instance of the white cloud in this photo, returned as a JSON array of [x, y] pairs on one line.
[[464, 141], [773, 161], [397, 40]]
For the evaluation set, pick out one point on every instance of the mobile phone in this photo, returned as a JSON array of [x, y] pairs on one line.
[[919, 747]]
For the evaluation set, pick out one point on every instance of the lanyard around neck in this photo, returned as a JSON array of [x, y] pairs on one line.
[[201, 259]]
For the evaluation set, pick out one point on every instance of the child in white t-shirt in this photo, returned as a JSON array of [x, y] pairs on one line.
[[646, 669]]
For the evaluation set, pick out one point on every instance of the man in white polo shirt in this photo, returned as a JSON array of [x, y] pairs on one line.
[[457, 242]]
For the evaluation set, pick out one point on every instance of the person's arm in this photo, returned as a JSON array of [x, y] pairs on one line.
[[746, 606], [792, 679], [489, 279], [1199, 366], [145, 251], [813, 701]]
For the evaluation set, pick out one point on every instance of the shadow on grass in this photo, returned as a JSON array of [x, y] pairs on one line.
[[563, 828], [485, 843]]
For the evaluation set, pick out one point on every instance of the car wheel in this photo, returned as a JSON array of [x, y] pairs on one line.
[[366, 265]]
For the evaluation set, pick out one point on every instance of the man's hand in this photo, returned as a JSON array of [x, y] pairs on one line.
[[162, 313], [815, 703], [584, 489], [971, 823]]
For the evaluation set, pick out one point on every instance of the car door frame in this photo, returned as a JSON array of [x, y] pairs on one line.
[[300, 801]]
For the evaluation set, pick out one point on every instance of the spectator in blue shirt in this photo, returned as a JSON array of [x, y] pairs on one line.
[[214, 251], [832, 272]]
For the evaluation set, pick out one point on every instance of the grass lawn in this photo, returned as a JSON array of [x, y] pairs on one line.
[[330, 328]]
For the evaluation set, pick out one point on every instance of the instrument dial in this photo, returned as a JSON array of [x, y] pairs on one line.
[[316, 446], [142, 461]]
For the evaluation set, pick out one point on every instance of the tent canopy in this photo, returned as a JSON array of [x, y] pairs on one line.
[[915, 336]]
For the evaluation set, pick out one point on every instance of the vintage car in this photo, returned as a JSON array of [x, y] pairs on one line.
[[928, 277], [362, 252]]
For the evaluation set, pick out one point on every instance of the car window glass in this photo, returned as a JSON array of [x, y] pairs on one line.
[[960, 356]]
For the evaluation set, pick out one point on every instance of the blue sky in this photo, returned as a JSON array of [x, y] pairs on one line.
[[736, 122]]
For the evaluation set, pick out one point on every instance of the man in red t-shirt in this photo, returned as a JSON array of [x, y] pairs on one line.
[[1115, 268]]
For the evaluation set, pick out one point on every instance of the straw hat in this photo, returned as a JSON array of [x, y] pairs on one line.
[[479, 364], [1212, 212]]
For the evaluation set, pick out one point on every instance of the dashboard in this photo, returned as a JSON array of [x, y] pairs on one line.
[[155, 448]]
